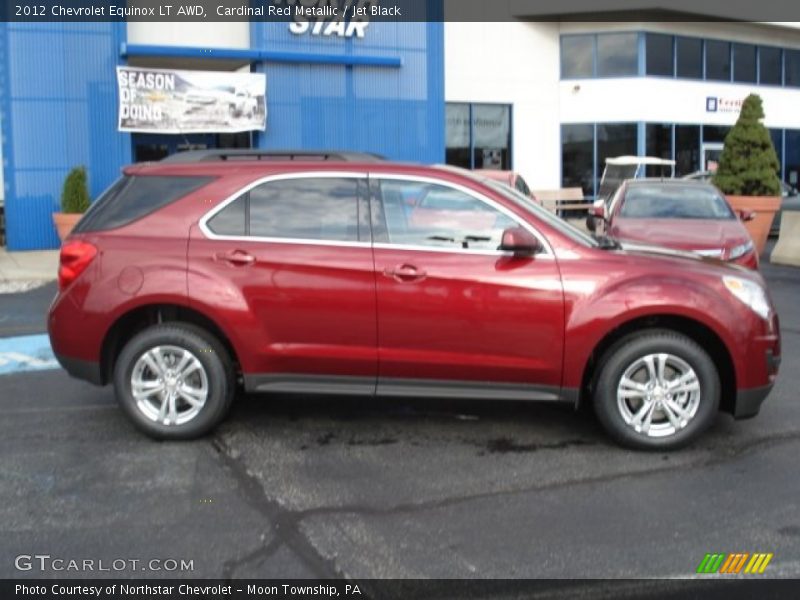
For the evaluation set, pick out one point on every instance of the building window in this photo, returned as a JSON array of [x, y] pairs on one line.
[[614, 139], [792, 66], [577, 157], [777, 142], [660, 54], [478, 136], [457, 135], [718, 60], [687, 149], [689, 58], [577, 54], [744, 63], [658, 143], [769, 66], [715, 134], [791, 173], [617, 54]]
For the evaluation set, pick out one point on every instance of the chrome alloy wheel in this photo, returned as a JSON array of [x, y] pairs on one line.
[[169, 385], [658, 395]]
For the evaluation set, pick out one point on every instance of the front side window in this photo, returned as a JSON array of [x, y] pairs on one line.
[[314, 208], [437, 216], [674, 202]]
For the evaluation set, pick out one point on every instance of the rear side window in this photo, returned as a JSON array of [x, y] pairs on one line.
[[231, 220], [314, 208], [308, 209], [133, 197]]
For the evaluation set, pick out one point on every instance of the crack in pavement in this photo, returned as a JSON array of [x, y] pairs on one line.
[[293, 518], [284, 523]]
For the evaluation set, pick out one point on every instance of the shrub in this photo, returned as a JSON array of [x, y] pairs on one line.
[[75, 195], [748, 165]]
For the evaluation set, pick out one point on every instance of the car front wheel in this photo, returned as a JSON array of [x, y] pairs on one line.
[[175, 381], [656, 390]]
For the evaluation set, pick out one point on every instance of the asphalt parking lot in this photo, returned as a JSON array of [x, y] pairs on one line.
[[336, 487]]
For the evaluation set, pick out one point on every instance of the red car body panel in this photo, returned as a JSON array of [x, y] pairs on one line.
[[300, 308], [488, 319], [470, 317]]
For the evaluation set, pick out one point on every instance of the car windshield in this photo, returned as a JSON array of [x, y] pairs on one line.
[[553, 220], [674, 202]]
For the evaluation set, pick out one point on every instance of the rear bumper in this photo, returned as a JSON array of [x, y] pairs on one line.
[[748, 402], [81, 369]]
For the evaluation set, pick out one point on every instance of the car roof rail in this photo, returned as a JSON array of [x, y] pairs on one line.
[[255, 154]]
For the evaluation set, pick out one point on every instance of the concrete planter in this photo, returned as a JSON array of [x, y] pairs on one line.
[[765, 208], [65, 223]]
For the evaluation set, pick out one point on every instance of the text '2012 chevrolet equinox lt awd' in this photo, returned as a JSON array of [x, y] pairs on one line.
[[335, 273]]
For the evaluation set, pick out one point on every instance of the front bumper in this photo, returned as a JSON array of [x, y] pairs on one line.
[[748, 402]]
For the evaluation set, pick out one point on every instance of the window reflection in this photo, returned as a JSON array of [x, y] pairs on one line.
[[311, 209], [423, 214]]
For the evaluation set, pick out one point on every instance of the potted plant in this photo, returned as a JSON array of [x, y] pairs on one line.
[[748, 171], [74, 202]]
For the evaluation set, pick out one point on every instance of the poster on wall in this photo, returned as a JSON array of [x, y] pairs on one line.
[[173, 101]]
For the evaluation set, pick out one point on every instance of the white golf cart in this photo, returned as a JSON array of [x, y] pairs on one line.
[[620, 169]]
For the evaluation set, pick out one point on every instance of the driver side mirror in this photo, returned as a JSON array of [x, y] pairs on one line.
[[747, 215], [520, 242]]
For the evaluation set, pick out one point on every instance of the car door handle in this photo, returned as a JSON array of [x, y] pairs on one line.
[[405, 272], [236, 257]]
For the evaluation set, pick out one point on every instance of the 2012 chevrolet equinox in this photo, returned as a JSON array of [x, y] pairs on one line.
[[333, 273]]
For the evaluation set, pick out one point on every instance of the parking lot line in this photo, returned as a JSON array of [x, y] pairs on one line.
[[26, 353]]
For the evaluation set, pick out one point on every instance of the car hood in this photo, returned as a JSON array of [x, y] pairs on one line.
[[685, 259], [682, 234]]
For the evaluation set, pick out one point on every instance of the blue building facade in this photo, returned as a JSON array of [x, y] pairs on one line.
[[383, 93]]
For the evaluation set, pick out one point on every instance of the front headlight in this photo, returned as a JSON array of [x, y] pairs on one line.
[[741, 250], [750, 293]]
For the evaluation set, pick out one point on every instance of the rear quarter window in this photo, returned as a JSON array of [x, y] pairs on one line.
[[133, 197]]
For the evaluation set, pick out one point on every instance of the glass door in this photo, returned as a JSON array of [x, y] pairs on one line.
[[711, 154]]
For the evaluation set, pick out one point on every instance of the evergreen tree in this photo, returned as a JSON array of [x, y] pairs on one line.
[[749, 165], [75, 195]]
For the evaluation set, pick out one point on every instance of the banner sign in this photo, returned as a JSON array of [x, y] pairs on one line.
[[171, 101]]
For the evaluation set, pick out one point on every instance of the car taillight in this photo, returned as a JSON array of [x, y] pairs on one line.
[[75, 257]]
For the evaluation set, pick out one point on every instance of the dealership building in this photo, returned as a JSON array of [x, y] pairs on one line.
[[549, 99]]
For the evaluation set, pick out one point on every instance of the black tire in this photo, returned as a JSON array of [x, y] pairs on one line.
[[212, 355], [623, 355]]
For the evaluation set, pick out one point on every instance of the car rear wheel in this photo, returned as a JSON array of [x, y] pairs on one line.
[[175, 381], [656, 390]]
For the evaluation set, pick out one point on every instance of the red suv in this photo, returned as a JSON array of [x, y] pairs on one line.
[[342, 274]]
